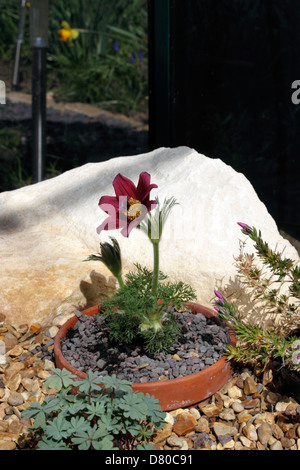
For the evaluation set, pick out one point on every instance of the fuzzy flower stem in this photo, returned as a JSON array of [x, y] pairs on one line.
[[120, 281], [155, 267], [153, 227]]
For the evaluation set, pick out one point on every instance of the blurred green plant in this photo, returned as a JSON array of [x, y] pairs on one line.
[[14, 163], [105, 65], [8, 28], [97, 67], [12, 154], [9, 20]]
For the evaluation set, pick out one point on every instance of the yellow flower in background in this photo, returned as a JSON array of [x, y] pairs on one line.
[[67, 33]]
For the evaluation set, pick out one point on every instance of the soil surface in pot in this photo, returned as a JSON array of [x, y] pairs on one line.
[[87, 347]]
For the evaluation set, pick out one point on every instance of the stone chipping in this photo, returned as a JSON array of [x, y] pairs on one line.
[[244, 415], [87, 348]]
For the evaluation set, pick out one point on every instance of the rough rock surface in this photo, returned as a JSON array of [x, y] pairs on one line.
[[47, 229]]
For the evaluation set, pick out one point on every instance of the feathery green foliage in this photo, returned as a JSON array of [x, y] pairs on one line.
[[256, 343], [134, 313], [268, 287]]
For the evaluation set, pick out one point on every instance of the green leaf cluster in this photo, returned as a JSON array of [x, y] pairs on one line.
[[269, 286], [257, 344], [103, 414], [77, 70], [134, 314], [280, 266]]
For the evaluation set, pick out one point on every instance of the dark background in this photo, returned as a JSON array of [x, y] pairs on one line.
[[220, 81], [221, 74]]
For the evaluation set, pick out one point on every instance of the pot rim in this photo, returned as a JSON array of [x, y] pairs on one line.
[[208, 371]]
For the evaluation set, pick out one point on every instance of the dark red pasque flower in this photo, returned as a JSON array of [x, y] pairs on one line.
[[130, 204]]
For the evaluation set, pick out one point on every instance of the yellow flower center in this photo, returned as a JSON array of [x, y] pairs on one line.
[[134, 210]]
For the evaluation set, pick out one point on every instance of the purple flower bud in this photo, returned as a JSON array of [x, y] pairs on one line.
[[245, 227], [116, 46], [132, 58], [217, 309], [140, 54], [220, 296]]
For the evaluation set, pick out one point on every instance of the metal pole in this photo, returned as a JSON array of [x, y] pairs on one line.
[[39, 111], [15, 77], [39, 43]]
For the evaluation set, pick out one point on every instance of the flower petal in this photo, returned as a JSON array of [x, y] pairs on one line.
[[109, 200], [117, 206], [65, 25], [110, 205], [144, 187], [110, 223], [127, 229], [124, 187]]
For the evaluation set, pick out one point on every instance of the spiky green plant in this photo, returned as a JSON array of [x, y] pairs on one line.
[[256, 343]]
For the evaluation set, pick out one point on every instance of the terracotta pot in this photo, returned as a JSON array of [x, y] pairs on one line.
[[173, 393]]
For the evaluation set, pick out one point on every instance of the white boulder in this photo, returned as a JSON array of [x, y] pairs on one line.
[[49, 228]]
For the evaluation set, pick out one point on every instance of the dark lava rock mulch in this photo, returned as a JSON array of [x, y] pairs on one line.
[[88, 348]]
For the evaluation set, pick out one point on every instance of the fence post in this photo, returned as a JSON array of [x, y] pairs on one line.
[[39, 42]]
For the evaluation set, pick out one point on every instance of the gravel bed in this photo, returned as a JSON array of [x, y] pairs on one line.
[[203, 343], [250, 412]]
